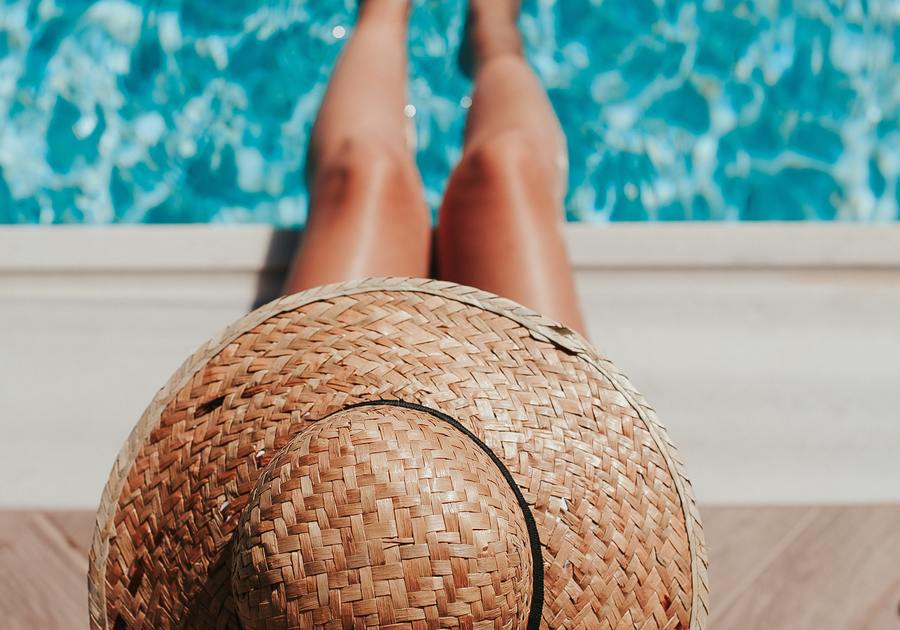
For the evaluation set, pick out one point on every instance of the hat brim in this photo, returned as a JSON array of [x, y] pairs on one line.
[[617, 520]]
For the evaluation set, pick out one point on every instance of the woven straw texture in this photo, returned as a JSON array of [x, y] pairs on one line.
[[620, 531], [398, 517]]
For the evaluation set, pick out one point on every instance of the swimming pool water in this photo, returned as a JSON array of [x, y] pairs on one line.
[[169, 111]]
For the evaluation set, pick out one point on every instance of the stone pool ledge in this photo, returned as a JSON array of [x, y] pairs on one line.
[[772, 351]]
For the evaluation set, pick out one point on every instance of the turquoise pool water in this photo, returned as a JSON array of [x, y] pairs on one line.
[[200, 111]]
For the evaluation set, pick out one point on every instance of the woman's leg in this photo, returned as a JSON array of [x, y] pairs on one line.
[[500, 222], [368, 215]]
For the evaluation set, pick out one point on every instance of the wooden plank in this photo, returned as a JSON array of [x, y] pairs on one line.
[[841, 571], [744, 541], [42, 576], [795, 568], [77, 526]]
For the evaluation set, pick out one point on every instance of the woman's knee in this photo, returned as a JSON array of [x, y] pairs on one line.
[[507, 173], [361, 168], [511, 154]]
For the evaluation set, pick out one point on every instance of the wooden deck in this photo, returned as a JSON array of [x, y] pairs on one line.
[[793, 568]]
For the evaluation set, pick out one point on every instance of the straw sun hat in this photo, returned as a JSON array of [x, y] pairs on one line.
[[397, 453]]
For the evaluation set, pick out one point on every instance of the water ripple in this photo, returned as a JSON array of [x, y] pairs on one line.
[[117, 111]]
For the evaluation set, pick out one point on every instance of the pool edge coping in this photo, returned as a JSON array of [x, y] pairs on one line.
[[639, 246]]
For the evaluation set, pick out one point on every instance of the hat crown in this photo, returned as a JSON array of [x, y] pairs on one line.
[[382, 511]]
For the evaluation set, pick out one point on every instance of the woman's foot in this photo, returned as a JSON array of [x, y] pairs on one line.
[[491, 30]]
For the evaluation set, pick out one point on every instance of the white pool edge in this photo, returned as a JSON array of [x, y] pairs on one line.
[[617, 245], [772, 351]]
